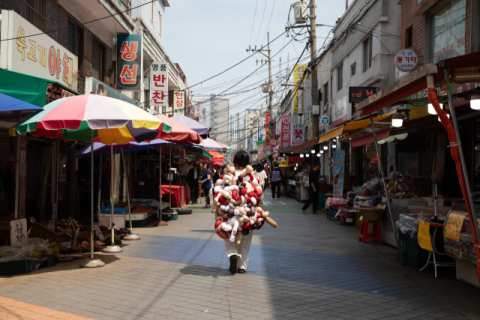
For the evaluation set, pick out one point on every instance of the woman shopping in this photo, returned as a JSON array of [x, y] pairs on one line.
[[206, 183]]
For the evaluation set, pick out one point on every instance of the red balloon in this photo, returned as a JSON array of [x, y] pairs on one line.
[[246, 225], [261, 225], [222, 234]]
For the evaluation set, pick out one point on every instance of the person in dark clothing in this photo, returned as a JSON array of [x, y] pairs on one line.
[[206, 185], [312, 189], [192, 180], [276, 178], [217, 174]]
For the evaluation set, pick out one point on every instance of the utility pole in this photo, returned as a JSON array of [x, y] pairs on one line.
[[270, 84], [313, 53]]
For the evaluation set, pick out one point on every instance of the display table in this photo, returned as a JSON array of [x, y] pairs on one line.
[[176, 194]]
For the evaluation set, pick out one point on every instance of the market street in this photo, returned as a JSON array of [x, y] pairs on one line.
[[181, 272]]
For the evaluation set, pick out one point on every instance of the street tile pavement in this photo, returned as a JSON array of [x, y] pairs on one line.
[[307, 268]]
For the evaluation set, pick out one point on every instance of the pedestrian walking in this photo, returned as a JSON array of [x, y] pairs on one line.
[[261, 175], [238, 254], [313, 185], [276, 178], [206, 185], [192, 180]]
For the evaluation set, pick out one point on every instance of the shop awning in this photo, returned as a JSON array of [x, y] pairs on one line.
[[354, 128], [304, 145], [370, 139]]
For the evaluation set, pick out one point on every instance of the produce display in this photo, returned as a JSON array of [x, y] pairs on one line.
[[236, 205]]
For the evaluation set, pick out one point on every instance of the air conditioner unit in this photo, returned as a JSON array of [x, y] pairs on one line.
[[300, 12]]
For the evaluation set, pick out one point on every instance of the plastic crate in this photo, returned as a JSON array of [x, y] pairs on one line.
[[14, 267], [419, 261], [411, 253]]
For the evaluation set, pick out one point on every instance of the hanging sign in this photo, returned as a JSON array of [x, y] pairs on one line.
[[325, 120], [198, 109], [285, 131], [298, 79], [307, 97], [298, 134], [424, 238], [129, 62], [338, 174], [268, 147], [159, 84], [406, 60], [179, 102], [453, 225], [358, 94]]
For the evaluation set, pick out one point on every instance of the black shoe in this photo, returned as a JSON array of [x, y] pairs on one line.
[[233, 264], [242, 270]]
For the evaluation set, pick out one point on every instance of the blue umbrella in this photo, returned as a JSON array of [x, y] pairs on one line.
[[8, 103]]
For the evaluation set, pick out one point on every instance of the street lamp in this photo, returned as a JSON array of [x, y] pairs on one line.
[[475, 102], [397, 120], [308, 156], [313, 151], [301, 155], [318, 154], [321, 151], [325, 147]]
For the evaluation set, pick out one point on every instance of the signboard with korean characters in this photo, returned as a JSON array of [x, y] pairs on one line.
[[179, 102], [159, 84], [298, 79], [129, 62], [298, 134], [285, 132], [307, 97], [198, 109], [38, 56], [406, 60], [268, 147]]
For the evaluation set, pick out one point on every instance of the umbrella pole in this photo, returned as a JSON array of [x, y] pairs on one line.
[[130, 236], [181, 194], [112, 248], [99, 190], [160, 178], [92, 262], [170, 178]]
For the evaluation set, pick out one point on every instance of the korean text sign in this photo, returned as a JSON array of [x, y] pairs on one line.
[[129, 62], [285, 133], [179, 102], [338, 173], [198, 109], [268, 147], [298, 79], [298, 134], [38, 56], [159, 84]]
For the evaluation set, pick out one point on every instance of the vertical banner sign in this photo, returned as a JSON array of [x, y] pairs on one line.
[[297, 80], [268, 147], [129, 62], [307, 99], [159, 84], [255, 140], [260, 152], [338, 166], [179, 102], [261, 132], [285, 134], [298, 134], [198, 109]]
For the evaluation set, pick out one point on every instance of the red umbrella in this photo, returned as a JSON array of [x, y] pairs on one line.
[[179, 132]]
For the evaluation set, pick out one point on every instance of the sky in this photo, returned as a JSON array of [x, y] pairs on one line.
[[207, 37]]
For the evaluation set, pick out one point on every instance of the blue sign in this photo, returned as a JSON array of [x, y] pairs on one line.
[[338, 173], [325, 120], [129, 62]]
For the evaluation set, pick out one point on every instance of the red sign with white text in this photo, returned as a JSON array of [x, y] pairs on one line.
[[285, 133]]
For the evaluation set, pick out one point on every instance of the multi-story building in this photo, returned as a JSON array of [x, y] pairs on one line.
[[215, 115], [250, 121], [235, 134]]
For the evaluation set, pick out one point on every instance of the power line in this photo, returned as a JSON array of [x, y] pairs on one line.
[[260, 29], [253, 25]]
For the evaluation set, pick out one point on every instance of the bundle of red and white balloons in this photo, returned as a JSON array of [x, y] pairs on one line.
[[236, 205]]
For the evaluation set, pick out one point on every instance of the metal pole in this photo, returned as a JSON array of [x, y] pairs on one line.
[[181, 193], [128, 193], [313, 55], [270, 90], [170, 178], [92, 196], [111, 188], [462, 158], [99, 189], [17, 169], [383, 180], [160, 178]]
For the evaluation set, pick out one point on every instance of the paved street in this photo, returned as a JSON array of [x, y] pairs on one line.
[[307, 268]]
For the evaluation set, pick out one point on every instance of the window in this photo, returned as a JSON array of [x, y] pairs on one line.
[[159, 22], [353, 69], [340, 77], [408, 37], [98, 56], [36, 11], [125, 5], [367, 54], [325, 94], [75, 39]]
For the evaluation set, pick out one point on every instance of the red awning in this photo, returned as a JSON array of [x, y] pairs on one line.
[[304, 145], [370, 139]]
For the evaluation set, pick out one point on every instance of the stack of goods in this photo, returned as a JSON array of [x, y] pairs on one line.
[[236, 205]]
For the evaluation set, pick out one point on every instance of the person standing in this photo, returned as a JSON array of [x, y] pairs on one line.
[[206, 185], [238, 254], [192, 180], [217, 174], [276, 178], [260, 174], [313, 185]]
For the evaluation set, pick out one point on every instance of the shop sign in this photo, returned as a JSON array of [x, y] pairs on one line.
[[268, 148], [254, 157], [338, 173], [255, 141], [197, 109], [18, 232], [178, 102], [454, 224], [358, 94], [159, 84], [54, 92], [309, 131], [129, 62], [448, 39], [371, 152], [307, 100], [38, 56], [406, 60], [298, 134], [285, 133], [339, 111], [261, 131], [260, 152], [424, 238], [101, 89], [299, 80], [325, 120]]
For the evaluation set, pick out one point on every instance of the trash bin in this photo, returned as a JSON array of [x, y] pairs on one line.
[[321, 201]]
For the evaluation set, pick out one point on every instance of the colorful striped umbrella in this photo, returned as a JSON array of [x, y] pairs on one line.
[[112, 121]]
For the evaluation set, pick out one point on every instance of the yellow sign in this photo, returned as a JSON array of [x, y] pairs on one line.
[[419, 112], [297, 80], [424, 238], [453, 226]]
